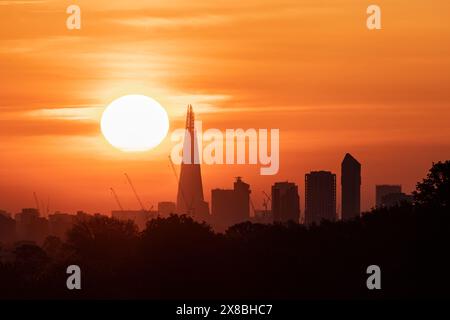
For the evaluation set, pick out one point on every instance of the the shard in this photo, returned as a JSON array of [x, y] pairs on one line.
[[190, 198]]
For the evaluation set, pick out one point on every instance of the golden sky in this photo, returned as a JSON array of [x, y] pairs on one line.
[[310, 68]]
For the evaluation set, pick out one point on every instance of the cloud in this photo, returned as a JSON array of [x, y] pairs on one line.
[[148, 22], [66, 121], [46, 127], [20, 2], [73, 113]]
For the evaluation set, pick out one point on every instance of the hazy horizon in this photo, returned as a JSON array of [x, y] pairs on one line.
[[313, 70]]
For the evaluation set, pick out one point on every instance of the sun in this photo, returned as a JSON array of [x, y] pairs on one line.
[[134, 123]]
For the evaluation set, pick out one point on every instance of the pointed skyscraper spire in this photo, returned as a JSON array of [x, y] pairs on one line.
[[190, 188]]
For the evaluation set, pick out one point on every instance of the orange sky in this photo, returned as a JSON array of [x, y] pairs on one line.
[[310, 68]]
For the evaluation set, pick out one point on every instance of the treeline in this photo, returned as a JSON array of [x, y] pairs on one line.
[[179, 258], [176, 257]]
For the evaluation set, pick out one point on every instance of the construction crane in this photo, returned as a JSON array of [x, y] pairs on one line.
[[135, 193], [267, 196], [37, 202], [265, 202], [41, 207], [113, 192], [47, 207], [47, 210], [253, 207], [173, 168]]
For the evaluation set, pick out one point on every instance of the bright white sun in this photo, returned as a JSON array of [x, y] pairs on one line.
[[134, 123]]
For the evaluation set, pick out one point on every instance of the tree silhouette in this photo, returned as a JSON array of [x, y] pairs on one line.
[[176, 227], [31, 261], [52, 246], [434, 190], [98, 237]]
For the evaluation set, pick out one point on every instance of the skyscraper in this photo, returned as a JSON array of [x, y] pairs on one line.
[[320, 195], [351, 187], [285, 202], [190, 189], [395, 199], [229, 207], [30, 226], [165, 208], [59, 223], [383, 190]]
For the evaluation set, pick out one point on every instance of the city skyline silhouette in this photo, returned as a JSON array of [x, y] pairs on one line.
[[209, 152], [330, 90], [229, 207], [177, 257]]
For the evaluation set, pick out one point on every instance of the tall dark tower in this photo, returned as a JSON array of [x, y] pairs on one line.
[[285, 202], [190, 189], [351, 187], [320, 195]]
